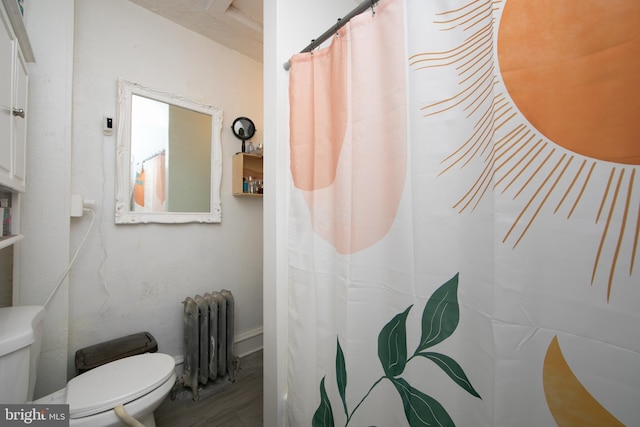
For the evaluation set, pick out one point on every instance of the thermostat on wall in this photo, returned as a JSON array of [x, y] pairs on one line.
[[107, 125]]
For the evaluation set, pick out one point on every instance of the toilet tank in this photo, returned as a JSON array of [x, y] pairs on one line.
[[20, 340]]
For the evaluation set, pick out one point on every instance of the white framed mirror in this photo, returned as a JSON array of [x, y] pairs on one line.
[[169, 158]]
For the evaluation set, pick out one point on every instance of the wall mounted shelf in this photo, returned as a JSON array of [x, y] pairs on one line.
[[10, 240], [246, 165]]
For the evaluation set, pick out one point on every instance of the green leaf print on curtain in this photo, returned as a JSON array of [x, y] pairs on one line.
[[324, 414], [392, 345], [439, 320]]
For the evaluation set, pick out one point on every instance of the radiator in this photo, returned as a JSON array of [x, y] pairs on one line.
[[208, 335]]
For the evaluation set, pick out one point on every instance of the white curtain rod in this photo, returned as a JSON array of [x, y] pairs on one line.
[[333, 30]]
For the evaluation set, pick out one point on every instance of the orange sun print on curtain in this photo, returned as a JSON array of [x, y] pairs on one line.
[[568, 114], [579, 88], [572, 69], [557, 116]]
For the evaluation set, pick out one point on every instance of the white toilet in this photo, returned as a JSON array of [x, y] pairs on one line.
[[138, 383]]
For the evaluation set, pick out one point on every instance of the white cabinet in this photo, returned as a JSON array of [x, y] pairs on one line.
[[13, 106], [7, 63], [15, 53]]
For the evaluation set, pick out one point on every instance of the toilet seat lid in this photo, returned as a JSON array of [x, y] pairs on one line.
[[117, 383]]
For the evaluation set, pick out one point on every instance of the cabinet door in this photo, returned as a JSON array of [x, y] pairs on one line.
[[7, 55], [20, 124]]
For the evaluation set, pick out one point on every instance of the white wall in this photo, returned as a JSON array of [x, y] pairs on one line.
[[44, 252], [131, 278], [289, 26]]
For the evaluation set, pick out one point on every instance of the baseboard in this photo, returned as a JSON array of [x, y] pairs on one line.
[[248, 342]]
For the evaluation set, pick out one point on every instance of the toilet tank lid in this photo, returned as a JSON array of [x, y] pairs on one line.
[[17, 326]]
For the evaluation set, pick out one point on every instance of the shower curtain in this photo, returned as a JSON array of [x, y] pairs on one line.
[[465, 216], [149, 189]]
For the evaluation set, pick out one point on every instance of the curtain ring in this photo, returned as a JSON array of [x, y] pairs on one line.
[[373, 10], [338, 27]]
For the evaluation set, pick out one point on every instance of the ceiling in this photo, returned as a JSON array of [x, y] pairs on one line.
[[236, 24]]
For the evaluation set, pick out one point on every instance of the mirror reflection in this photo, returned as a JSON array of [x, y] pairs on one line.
[[243, 128], [169, 158], [170, 152]]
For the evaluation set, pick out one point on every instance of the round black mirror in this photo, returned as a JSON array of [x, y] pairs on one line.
[[243, 128]]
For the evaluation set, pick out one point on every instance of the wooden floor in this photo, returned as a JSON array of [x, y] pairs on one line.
[[221, 403]]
